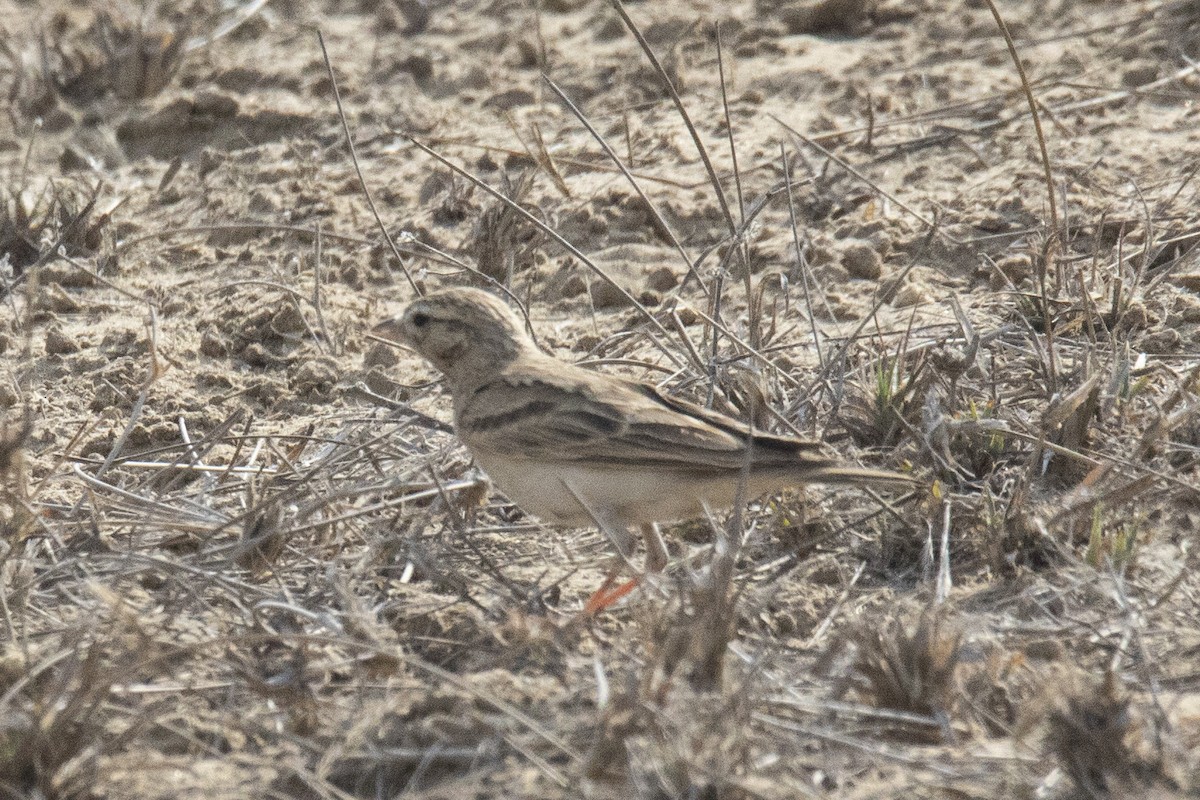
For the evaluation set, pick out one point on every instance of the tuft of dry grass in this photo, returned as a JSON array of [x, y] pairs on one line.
[[885, 403], [503, 242], [16, 516], [911, 672], [114, 54], [57, 705], [33, 226], [1103, 744]]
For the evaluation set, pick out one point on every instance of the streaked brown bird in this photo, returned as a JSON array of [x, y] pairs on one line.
[[576, 447]]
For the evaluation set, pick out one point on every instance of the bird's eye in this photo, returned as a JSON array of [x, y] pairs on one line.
[[420, 319]]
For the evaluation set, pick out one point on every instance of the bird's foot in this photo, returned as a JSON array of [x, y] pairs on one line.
[[607, 595]]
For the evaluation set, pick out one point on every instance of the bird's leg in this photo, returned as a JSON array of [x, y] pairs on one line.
[[618, 533], [607, 594], [656, 561], [656, 548]]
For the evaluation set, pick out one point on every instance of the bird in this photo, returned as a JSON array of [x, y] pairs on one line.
[[575, 447]]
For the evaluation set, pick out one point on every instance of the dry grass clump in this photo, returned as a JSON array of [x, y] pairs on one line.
[[420, 743], [687, 745], [503, 242], [1174, 28], [1106, 746], [884, 405], [675, 722], [58, 703], [908, 672], [16, 516], [127, 56], [996, 691], [33, 226]]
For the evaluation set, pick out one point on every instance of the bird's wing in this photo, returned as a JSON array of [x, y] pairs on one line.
[[572, 415]]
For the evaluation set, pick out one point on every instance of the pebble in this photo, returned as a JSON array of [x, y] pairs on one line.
[[573, 286], [605, 295], [212, 345], [910, 295], [58, 343], [381, 355], [662, 279], [861, 260]]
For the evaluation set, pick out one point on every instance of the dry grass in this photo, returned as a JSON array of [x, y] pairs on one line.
[[36, 226], [503, 243], [911, 673], [78, 62], [230, 567]]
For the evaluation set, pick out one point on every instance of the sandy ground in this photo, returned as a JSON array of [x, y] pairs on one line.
[[243, 556]]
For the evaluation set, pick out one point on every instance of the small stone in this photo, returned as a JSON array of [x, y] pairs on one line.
[[909, 295], [73, 159], [585, 343], [209, 161], [529, 54], [573, 286], [58, 343], [381, 355], [1167, 340], [992, 222], [1044, 650], [1187, 280], [418, 65], [662, 279], [1011, 270], [606, 295], [67, 276], [825, 16], [256, 355], [1136, 317], [753, 97], [212, 345], [1186, 310], [351, 275], [314, 378], [1140, 75], [610, 29], [55, 299], [215, 104], [262, 203], [513, 98], [862, 261], [881, 241], [379, 382]]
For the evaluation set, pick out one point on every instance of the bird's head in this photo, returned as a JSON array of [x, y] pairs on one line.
[[468, 334]]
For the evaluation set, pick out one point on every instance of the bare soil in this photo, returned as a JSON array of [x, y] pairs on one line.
[[243, 555]]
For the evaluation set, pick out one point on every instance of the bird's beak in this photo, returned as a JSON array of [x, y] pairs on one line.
[[390, 331]]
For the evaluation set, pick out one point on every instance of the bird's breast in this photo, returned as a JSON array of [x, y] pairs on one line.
[[577, 494]]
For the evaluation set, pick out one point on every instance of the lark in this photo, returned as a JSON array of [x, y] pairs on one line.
[[575, 447]]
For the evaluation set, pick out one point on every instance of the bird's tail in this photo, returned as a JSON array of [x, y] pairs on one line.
[[862, 476]]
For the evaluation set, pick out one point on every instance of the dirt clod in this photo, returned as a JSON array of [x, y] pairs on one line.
[[862, 260], [58, 342], [662, 279]]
